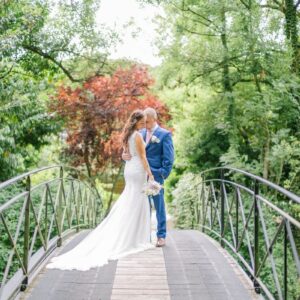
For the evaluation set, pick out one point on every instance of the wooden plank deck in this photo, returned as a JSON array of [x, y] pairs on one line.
[[190, 266], [199, 268], [141, 276], [56, 284]]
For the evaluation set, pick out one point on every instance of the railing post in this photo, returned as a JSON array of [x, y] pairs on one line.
[[59, 210], [256, 236], [222, 208], [285, 268], [76, 203], [46, 217], [26, 235], [197, 209], [237, 216], [93, 208], [203, 203]]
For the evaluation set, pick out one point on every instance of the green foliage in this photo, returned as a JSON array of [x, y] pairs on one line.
[[24, 129], [231, 77], [41, 43], [185, 197], [228, 79]]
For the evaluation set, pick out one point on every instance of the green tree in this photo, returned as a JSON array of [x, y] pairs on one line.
[[42, 42]]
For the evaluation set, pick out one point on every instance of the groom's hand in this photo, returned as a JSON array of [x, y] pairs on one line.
[[126, 156]]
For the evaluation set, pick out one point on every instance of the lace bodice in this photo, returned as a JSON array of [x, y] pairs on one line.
[[132, 144]]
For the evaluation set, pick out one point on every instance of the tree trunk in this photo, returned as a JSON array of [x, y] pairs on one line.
[[115, 180], [227, 86], [280, 171], [87, 163], [266, 154], [89, 171], [292, 32]]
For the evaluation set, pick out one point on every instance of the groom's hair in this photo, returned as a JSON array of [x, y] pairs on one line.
[[149, 111]]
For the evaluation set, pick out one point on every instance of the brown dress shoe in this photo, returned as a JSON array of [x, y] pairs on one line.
[[160, 242]]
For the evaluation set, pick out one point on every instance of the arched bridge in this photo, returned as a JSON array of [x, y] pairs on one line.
[[244, 242]]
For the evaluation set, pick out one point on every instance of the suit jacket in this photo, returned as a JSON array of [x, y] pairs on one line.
[[160, 154]]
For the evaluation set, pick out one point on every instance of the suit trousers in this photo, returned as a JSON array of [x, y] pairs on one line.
[[159, 204]]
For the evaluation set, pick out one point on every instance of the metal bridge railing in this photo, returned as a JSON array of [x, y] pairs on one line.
[[253, 218], [36, 213]]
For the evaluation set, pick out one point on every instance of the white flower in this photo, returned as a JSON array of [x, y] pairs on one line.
[[152, 188], [155, 139]]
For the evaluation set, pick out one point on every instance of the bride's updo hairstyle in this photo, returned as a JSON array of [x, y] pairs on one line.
[[130, 125]]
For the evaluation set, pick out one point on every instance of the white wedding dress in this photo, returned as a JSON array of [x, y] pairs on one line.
[[125, 230]]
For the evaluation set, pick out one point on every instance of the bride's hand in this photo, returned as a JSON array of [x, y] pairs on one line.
[[151, 178], [126, 156]]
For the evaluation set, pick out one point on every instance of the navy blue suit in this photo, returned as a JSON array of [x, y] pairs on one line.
[[160, 156]]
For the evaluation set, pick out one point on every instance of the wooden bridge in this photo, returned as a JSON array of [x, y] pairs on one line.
[[190, 266], [235, 222]]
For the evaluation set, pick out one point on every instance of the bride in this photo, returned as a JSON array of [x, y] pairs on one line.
[[127, 228]]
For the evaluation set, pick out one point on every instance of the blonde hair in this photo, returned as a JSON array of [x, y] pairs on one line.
[[149, 111]]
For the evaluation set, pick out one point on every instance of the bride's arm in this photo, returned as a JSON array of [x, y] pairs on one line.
[[140, 147]]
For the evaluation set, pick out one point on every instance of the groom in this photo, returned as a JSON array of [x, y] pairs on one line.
[[160, 155]]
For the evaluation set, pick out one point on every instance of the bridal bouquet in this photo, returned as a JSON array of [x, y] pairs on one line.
[[152, 188]]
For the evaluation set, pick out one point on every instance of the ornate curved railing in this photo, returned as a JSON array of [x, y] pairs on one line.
[[37, 210], [258, 222]]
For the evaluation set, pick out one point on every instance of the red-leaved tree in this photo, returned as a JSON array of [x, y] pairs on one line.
[[96, 112]]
